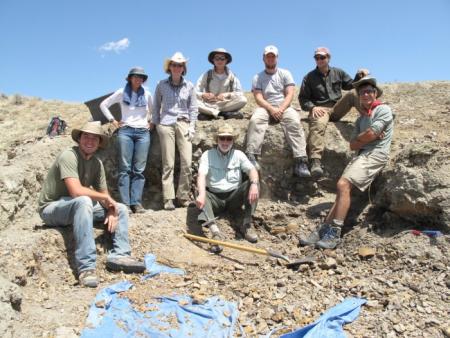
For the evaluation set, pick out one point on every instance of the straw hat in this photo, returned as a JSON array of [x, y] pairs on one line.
[[95, 128], [225, 130], [178, 57]]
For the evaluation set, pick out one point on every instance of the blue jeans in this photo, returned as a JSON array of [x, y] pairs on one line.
[[82, 212], [133, 144]]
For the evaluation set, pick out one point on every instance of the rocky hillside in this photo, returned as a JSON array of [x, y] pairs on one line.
[[406, 278]]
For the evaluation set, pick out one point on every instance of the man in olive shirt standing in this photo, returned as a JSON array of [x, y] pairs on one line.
[[75, 192], [371, 140], [220, 185], [321, 96]]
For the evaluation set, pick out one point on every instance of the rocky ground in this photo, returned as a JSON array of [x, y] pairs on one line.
[[405, 278]]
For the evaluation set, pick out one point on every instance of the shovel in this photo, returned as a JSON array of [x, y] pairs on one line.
[[290, 264]]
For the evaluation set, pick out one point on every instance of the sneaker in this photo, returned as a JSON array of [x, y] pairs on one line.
[[253, 160], [232, 115], [331, 238], [316, 168], [125, 264], [138, 209], [204, 117], [315, 235], [301, 167], [215, 248], [168, 205], [182, 203], [248, 233], [88, 278]]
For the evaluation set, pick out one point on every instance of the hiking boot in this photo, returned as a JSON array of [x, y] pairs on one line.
[[330, 239], [138, 209], [88, 278], [301, 167], [204, 117], [315, 235], [168, 205], [253, 160], [248, 233], [232, 115], [129, 210], [217, 235], [125, 264], [316, 167]]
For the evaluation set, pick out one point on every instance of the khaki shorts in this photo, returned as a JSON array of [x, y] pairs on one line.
[[362, 169]]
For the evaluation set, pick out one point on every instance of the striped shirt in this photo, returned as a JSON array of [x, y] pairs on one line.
[[172, 103]]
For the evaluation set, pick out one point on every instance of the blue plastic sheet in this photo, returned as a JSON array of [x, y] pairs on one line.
[[153, 268], [329, 325], [173, 316]]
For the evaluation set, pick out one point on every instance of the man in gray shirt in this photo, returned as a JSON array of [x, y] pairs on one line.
[[273, 90], [372, 140], [321, 96]]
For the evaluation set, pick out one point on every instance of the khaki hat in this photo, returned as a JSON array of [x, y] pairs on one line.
[[137, 71], [368, 80], [322, 51], [95, 128], [225, 130], [271, 49], [178, 58], [221, 51]]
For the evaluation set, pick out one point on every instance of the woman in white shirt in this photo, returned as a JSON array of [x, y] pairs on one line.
[[133, 137]]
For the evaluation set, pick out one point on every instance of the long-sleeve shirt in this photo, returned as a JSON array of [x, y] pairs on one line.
[[320, 89], [174, 102], [132, 116]]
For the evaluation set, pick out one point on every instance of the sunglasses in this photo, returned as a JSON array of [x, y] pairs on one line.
[[225, 138], [366, 91], [220, 58], [320, 57], [177, 65]]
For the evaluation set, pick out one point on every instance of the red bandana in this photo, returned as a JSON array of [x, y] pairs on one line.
[[374, 104]]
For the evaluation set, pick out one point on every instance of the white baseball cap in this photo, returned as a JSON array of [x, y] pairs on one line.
[[271, 49]]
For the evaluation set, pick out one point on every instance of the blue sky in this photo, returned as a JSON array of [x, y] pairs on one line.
[[52, 48]]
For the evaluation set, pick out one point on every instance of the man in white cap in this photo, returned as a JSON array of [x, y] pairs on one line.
[[219, 91], [371, 140], [321, 96], [220, 185], [75, 192], [273, 89]]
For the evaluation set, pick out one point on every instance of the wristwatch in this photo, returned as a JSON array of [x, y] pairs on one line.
[[254, 182]]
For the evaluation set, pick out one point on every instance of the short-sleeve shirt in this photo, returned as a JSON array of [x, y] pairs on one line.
[[224, 171], [70, 163], [380, 120], [273, 86]]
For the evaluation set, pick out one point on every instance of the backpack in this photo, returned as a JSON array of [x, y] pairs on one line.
[[209, 78], [56, 126]]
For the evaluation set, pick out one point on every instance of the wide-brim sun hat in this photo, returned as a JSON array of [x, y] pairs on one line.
[[137, 71], [368, 80], [178, 57], [93, 127], [225, 130], [219, 51]]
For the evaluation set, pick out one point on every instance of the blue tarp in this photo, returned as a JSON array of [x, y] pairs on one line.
[[329, 325], [153, 268]]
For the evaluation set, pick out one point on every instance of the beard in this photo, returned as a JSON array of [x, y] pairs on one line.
[[271, 67], [225, 148]]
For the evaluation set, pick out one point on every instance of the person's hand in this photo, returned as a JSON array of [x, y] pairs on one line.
[[111, 205], [200, 201], [362, 72], [116, 124], [111, 221], [253, 193], [220, 97], [381, 136], [151, 126], [209, 97], [276, 113], [317, 112]]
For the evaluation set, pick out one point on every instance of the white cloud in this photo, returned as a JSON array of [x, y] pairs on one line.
[[115, 46]]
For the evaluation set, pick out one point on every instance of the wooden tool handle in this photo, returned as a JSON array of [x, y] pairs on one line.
[[226, 244]]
